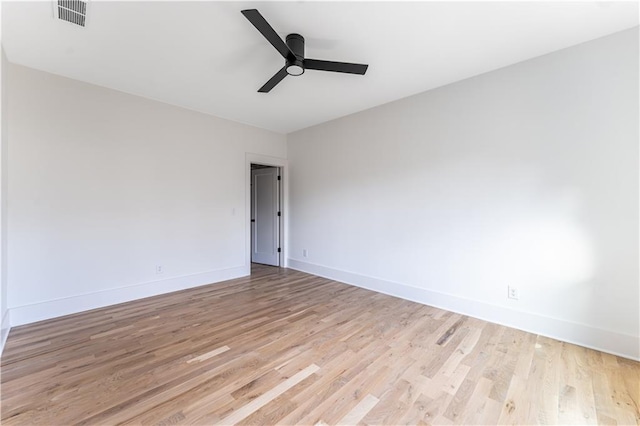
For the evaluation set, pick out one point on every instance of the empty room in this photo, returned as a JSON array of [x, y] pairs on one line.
[[318, 213]]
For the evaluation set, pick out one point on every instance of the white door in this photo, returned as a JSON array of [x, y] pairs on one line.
[[264, 216]]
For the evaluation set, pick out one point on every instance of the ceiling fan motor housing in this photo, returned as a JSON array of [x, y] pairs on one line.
[[295, 42]]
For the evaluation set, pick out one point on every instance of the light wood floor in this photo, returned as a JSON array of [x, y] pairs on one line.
[[284, 347]]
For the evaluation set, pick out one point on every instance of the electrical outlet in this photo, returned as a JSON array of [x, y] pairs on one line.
[[159, 269], [305, 253], [513, 293]]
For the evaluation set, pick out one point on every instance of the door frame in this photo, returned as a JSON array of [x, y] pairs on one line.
[[270, 218], [265, 160]]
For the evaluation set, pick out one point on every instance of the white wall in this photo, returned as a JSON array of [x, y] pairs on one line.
[[5, 322], [104, 186], [526, 176]]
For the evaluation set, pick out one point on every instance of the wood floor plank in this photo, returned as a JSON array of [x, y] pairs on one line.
[[210, 354], [284, 347], [356, 414], [271, 394]]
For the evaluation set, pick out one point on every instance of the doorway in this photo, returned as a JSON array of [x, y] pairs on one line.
[[266, 214]]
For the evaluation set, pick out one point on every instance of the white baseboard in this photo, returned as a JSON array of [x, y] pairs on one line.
[[624, 345], [70, 305], [5, 327]]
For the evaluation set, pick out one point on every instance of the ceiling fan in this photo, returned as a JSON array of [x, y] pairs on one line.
[[293, 53]]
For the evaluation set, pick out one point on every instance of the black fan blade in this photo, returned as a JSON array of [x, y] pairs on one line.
[[277, 78], [268, 32], [315, 64]]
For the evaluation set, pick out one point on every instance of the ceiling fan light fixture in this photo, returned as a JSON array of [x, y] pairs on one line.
[[295, 70]]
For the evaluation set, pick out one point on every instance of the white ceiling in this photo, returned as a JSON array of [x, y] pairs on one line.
[[207, 57]]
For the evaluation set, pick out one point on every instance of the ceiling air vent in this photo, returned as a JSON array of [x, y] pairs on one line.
[[74, 11]]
